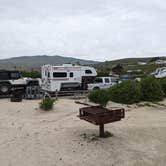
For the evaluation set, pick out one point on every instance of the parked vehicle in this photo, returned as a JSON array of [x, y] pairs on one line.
[[160, 72], [160, 61], [10, 80], [66, 77], [102, 83]]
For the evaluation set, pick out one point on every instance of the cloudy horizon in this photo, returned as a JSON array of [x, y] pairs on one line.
[[95, 30]]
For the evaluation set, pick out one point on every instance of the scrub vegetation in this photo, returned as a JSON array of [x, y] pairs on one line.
[[47, 103], [130, 92]]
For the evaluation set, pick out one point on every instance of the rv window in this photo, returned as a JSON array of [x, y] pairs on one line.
[[14, 75], [71, 74], [4, 76], [60, 74], [88, 71]]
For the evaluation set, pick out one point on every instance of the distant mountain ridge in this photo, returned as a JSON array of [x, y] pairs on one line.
[[126, 61], [35, 62]]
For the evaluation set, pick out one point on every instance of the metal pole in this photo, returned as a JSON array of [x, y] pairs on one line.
[[101, 130], [56, 95]]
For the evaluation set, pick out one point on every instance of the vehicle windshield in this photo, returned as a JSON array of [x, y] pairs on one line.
[[98, 80]]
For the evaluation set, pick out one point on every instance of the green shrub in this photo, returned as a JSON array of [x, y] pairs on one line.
[[151, 89], [32, 74], [47, 103], [163, 85], [99, 96], [127, 92]]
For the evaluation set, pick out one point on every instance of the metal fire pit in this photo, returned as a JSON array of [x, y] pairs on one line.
[[100, 116]]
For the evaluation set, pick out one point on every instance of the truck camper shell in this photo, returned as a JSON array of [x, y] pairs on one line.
[[66, 77]]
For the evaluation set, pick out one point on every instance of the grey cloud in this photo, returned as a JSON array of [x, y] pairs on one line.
[[95, 29]]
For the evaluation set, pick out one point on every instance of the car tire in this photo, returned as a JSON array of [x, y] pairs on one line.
[[5, 88]]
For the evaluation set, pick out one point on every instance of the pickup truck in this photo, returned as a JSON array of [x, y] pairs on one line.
[[102, 83]]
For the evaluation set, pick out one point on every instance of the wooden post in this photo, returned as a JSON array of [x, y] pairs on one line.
[[101, 130]]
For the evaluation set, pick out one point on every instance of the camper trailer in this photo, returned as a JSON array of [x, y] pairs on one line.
[[160, 72], [66, 77]]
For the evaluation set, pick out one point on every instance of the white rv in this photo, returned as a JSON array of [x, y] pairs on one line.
[[160, 72], [66, 77]]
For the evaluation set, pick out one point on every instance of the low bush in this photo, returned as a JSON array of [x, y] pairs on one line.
[[151, 89], [31, 74], [47, 103], [127, 92], [163, 85], [99, 96]]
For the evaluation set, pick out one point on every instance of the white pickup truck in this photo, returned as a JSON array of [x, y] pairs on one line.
[[102, 83]]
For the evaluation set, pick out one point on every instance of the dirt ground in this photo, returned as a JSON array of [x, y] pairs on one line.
[[31, 137]]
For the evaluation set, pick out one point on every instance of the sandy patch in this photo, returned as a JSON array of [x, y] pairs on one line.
[[30, 137]]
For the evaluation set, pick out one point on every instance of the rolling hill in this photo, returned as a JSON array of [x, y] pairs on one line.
[[130, 64], [34, 62], [125, 62]]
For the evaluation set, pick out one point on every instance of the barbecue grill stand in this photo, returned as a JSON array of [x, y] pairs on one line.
[[98, 115], [101, 130]]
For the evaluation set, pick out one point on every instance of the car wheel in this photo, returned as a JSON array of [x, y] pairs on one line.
[[5, 88]]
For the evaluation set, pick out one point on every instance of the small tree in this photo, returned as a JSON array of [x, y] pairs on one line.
[[151, 89], [154, 59], [127, 92], [99, 96], [47, 103], [163, 85], [118, 69], [32, 74], [103, 72]]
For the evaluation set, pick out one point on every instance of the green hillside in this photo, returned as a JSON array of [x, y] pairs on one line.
[[105, 68]]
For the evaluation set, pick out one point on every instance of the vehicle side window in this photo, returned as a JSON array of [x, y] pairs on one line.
[[71, 74], [107, 80], [114, 80], [88, 71], [59, 74], [98, 80], [4, 75], [14, 75]]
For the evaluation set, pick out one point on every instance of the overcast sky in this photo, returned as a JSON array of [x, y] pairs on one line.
[[90, 29]]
